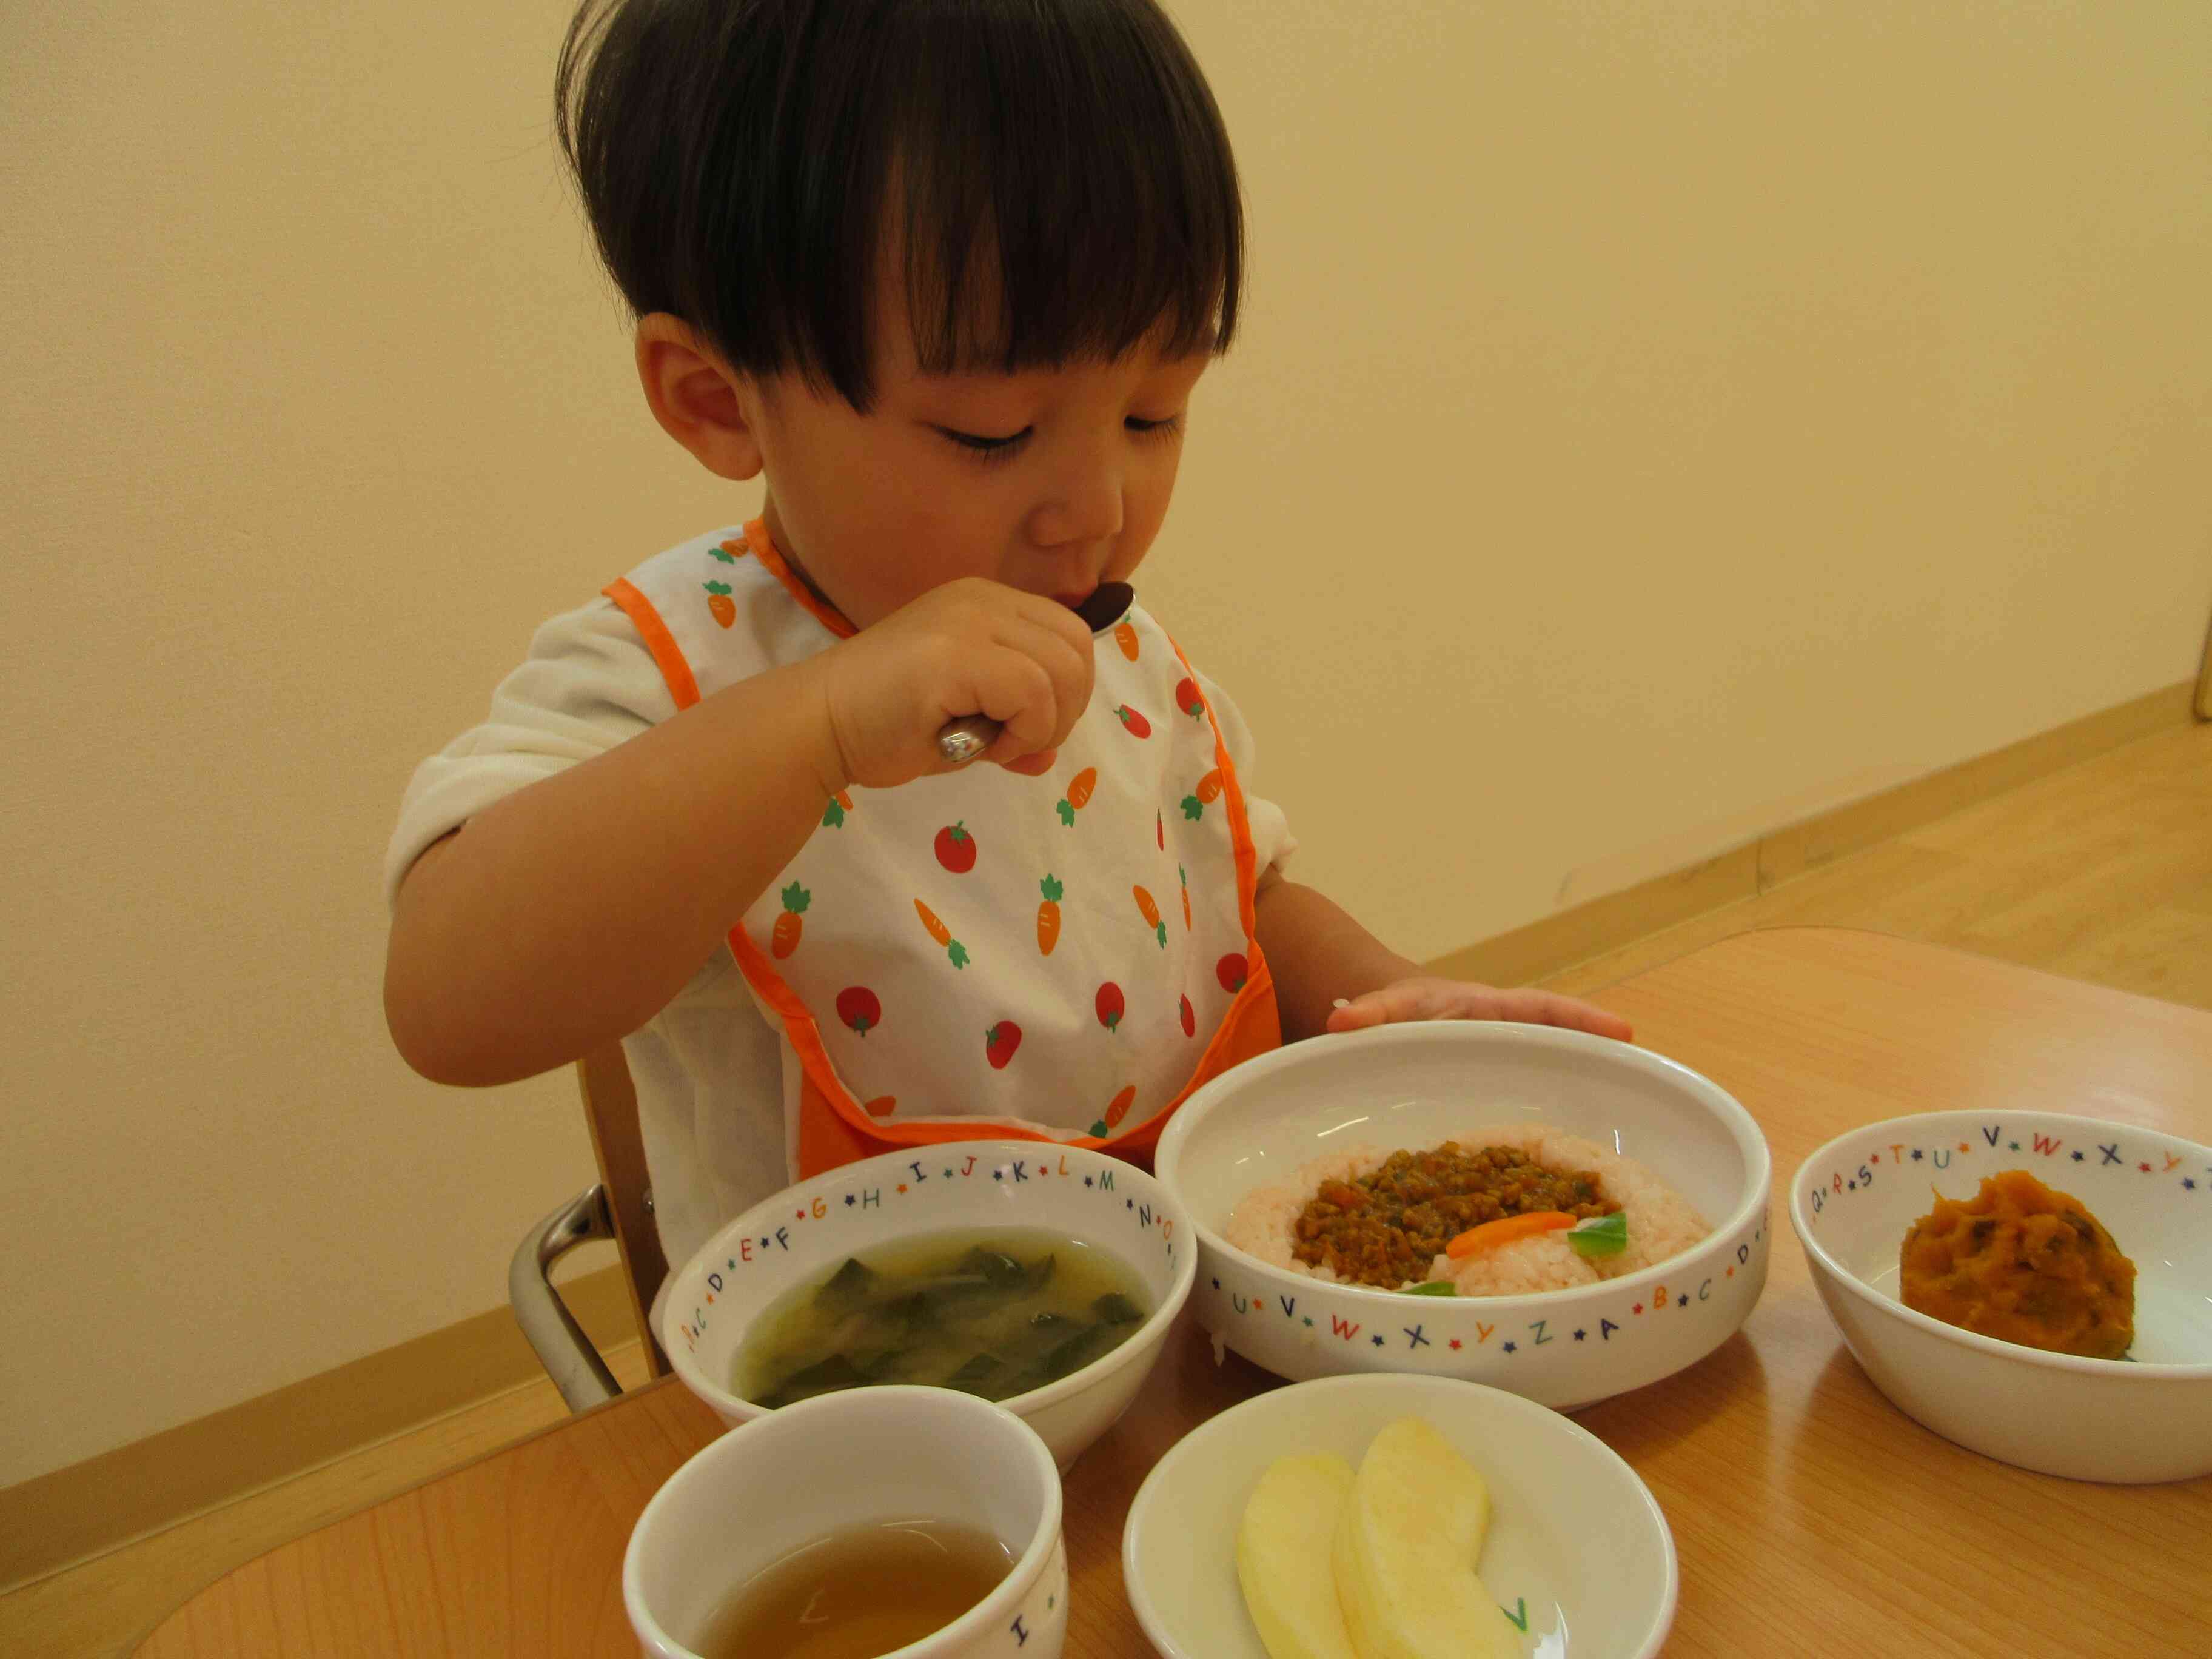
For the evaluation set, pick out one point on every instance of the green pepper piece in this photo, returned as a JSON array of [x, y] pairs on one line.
[[1434, 1288], [1606, 1236]]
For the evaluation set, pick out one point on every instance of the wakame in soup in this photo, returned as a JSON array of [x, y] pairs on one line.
[[994, 1314]]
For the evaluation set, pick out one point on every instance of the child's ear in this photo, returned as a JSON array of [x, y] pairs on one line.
[[698, 400]]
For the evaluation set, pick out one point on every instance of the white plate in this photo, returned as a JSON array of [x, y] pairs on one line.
[[1578, 1551]]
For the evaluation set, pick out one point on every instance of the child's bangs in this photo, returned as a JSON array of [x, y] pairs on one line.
[[1052, 175], [1062, 187]]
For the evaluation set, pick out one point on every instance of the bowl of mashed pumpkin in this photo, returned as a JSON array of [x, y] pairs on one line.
[[2034, 1286]]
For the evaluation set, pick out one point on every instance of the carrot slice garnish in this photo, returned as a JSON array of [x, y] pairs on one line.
[[1506, 1230]]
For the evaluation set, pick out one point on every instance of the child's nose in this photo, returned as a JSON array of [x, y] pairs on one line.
[[1083, 505]]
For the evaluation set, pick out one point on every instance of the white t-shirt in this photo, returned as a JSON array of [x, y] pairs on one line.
[[709, 1068]]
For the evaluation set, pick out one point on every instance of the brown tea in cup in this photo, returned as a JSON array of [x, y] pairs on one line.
[[860, 1593]]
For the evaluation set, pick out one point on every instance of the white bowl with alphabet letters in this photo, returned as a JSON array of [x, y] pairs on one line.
[[2146, 1417], [1413, 1086], [805, 1232]]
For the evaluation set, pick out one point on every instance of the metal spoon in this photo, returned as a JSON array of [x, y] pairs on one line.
[[961, 740]]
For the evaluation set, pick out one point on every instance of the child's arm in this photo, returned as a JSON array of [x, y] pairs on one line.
[[1319, 955], [569, 914]]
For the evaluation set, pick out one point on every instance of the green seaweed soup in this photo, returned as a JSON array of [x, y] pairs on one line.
[[991, 1313]]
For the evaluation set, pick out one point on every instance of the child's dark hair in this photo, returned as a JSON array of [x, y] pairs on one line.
[[1055, 171]]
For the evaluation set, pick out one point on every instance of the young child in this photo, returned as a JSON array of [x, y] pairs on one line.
[[946, 273]]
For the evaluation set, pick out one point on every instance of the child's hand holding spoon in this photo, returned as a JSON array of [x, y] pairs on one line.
[[961, 741]]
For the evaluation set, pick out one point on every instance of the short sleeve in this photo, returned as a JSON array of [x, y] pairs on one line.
[[588, 684], [1271, 830]]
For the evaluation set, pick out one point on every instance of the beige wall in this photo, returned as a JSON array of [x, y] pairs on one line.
[[1651, 422]]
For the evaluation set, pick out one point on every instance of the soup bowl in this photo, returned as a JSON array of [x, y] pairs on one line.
[[1413, 1086], [803, 1234], [2146, 1417]]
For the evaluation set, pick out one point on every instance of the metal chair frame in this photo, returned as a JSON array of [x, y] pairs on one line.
[[619, 1207]]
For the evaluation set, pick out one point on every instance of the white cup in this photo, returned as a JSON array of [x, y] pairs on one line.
[[847, 1460]]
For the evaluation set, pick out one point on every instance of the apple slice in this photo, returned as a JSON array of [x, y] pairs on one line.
[[1406, 1549], [1282, 1555]]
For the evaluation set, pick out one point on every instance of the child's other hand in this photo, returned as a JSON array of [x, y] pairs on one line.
[[970, 647], [1452, 998]]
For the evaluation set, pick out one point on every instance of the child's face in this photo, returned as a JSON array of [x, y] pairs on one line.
[[877, 509]]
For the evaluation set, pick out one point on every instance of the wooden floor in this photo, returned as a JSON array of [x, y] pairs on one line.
[[2101, 873]]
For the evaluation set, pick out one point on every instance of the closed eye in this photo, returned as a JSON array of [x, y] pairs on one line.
[[991, 446], [983, 443]]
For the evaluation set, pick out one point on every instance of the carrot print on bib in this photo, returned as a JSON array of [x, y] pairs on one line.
[[986, 950]]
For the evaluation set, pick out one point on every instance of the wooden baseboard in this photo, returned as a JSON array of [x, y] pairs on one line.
[[88, 1508], [92, 1506], [1764, 862]]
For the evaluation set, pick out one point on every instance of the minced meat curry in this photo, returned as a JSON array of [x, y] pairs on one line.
[[1386, 1227]]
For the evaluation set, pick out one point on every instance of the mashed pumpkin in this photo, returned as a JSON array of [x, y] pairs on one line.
[[2023, 1263]]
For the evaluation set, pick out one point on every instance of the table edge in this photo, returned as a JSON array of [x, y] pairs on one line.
[[131, 1648]]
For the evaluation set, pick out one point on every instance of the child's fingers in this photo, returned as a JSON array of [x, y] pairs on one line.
[[1354, 1016], [1056, 616], [1408, 999], [1015, 690], [1598, 1021], [1549, 1008], [1070, 667], [1432, 998]]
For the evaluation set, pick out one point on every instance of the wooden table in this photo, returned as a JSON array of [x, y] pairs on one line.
[[1810, 1516]]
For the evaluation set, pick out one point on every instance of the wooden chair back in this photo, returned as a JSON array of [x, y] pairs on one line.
[[2204, 681], [610, 1109]]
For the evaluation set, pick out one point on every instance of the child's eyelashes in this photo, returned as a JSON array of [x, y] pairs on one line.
[[981, 444], [987, 447]]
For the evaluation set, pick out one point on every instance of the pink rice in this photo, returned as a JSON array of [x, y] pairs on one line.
[[1661, 1223]]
